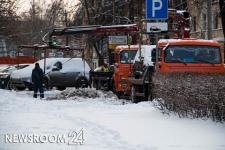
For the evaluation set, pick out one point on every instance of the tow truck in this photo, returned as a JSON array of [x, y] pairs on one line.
[[117, 78]]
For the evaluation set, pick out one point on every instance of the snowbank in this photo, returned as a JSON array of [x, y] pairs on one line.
[[107, 124]]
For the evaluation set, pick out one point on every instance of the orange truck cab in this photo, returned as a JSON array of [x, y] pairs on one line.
[[124, 58], [190, 55]]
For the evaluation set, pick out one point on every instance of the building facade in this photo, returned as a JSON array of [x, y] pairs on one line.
[[199, 20]]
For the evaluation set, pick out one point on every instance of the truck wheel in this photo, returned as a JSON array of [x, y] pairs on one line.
[[150, 97], [134, 98], [150, 93], [97, 85], [118, 94]]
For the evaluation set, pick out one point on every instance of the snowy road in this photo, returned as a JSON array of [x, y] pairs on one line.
[[107, 125]]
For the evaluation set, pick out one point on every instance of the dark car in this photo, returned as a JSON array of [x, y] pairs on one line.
[[72, 73]]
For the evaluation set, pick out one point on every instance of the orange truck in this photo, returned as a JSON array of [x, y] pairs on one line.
[[190, 55], [179, 56], [116, 79], [124, 59]]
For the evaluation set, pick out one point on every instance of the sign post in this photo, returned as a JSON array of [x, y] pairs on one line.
[[156, 31], [157, 10]]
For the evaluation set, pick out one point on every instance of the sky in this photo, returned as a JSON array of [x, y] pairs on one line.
[[24, 5]]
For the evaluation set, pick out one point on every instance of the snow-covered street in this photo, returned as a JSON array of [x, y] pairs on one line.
[[108, 124]]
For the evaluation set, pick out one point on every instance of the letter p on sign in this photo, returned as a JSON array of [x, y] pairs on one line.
[[157, 9]]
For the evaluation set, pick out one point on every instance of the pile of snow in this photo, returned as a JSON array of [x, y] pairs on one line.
[[71, 93], [88, 94], [106, 126]]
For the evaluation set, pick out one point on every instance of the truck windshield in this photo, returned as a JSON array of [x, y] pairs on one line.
[[193, 54], [127, 56]]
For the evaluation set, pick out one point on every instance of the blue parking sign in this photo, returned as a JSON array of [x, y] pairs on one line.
[[157, 9]]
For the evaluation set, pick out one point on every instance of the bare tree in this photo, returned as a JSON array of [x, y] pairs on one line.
[[104, 13], [8, 16], [55, 13]]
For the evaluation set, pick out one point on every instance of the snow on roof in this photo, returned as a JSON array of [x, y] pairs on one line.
[[70, 64], [188, 41]]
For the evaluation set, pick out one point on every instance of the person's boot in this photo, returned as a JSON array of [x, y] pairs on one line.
[[42, 95], [35, 95]]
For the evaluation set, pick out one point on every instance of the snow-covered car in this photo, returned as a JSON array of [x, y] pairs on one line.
[[59, 72], [72, 73], [6, 72]]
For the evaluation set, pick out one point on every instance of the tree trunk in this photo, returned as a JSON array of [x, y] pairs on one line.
[[87, 12], [100, 57]]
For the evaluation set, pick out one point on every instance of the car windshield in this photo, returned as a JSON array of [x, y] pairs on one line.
[[9, 69], [127, 56], [13, 68], [193, 54], [21, 66]]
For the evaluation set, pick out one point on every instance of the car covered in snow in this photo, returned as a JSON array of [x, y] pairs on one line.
[[6, 72], [59, 72]]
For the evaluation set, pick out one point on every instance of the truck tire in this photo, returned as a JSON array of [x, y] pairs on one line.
[[150, 97], [134, 98], [118, 94]]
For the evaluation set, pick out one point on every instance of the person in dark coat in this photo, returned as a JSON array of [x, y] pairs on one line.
[[37, 80]]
